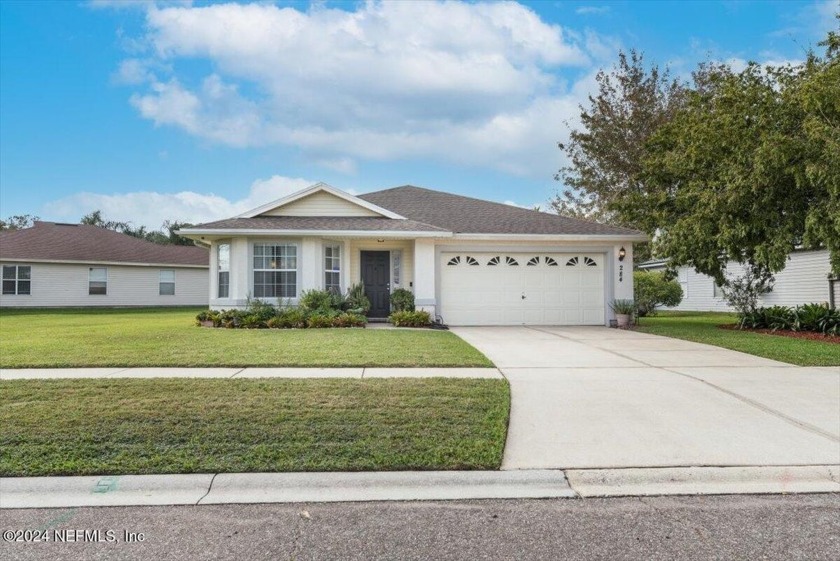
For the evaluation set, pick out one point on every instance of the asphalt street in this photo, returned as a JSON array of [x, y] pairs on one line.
[[746, 527]]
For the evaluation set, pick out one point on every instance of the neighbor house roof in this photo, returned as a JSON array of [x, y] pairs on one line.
[[459, 214], [50, 241]]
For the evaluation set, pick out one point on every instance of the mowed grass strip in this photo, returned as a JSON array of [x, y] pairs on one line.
[[88, 427], [702, 327], [169, 337]]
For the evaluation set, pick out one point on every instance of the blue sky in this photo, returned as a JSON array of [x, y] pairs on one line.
[[197, 111]]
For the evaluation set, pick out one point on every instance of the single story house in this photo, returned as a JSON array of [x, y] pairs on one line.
[[467, 261], [68, 265], [805, 279]]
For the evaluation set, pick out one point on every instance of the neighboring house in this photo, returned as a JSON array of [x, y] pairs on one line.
[[55, 265], [805, 279], [468, 261]]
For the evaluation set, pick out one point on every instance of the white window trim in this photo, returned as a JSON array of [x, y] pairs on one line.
[[90, 269], [340, 258], [251, 270], [17, 280]]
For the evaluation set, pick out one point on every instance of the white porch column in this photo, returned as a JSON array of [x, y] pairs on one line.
[[622, 276], [311, 265], [240, 268], [214, 268], [424, 275]]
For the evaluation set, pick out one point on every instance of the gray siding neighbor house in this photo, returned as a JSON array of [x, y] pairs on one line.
[[805, 279], [70, 265]]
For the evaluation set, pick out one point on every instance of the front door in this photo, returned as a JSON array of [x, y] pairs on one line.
[[376, 275]]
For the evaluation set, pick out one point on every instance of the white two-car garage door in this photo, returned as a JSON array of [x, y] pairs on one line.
[[522, 288]]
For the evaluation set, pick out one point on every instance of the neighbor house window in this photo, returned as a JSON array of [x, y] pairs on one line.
[[17, 279], [275, 270], [224, 270], [167, 283], [98, 280], [716, 290], [332, 268]]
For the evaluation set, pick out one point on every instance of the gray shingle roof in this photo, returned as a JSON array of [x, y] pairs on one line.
[[48, 241], [460, 214], [334, 223]]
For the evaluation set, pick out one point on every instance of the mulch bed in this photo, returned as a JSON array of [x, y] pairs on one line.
[[813, 336]]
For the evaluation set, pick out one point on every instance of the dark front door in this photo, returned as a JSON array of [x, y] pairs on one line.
[[376, 275]]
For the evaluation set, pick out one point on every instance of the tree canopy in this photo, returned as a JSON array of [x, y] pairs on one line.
[[738, 165], [165, 236]]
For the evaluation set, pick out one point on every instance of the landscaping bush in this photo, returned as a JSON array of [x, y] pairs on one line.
[[808, 317], [418, 318], [356, 301], [349, 320], [319, 321], [742, 293], [653, 289], [322, 300], [262, 315], [402, 300]]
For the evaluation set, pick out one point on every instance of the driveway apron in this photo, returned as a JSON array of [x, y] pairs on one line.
[[594, 397]]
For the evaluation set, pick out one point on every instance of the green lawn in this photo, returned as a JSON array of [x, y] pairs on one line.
[[702, 328], [86, 427], [167, 337]]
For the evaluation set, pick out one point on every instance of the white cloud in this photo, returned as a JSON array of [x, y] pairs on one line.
[[150, 208], [592, 10], [471, 83]]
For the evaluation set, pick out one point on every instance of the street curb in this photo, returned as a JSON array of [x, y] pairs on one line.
[[325, 487], [247, 488], [704, 480]]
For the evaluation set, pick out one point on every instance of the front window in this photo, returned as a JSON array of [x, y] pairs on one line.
[[396, 271], [332, 268], [275, 271], [167, 283], [17, 279], [224, 270], [98, 280]]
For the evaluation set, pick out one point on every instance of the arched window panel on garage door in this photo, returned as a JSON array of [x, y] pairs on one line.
[[572, 262], [533, 261], [455, 260], [494, 261], [511, 261]]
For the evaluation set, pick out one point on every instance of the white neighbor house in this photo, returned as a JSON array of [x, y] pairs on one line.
[[69, 265], [468, 261], [804, 280]]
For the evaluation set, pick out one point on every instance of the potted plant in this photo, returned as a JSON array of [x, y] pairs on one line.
[[624, 310]]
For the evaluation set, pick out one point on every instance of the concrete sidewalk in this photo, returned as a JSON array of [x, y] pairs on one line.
[[251, 372], [248, 488]]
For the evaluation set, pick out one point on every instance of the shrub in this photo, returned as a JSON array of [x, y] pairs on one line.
[[402, 300], [349, 320], [318, 321], [810, 317], [356, 301], [623, 307], [652, 289], [742, 293], [321, 300], [417, 318]]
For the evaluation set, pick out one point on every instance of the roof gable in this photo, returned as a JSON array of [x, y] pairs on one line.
[[321, 200]]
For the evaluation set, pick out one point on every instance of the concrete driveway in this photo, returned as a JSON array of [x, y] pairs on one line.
[[593, 397]]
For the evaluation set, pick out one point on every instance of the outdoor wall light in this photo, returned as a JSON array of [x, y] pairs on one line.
[[622, 253], [380, 240]]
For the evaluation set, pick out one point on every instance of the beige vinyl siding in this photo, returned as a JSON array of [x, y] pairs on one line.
[[66, 285], [320, 204], [802, 281]]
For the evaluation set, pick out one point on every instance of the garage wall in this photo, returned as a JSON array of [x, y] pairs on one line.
[[66, 285]]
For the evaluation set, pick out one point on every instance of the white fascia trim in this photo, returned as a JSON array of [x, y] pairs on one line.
[[558, 238], [111, 263], [391, 234], [314, 189]]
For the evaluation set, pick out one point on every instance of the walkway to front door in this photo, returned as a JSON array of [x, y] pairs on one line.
[[376, 275]]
